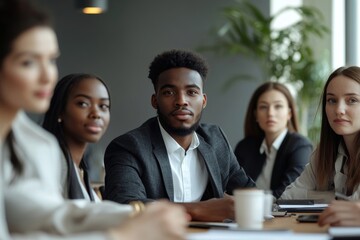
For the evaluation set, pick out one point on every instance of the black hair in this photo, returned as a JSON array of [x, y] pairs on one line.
[[58, 104], [15, 161], [177, 59], [57, 107]]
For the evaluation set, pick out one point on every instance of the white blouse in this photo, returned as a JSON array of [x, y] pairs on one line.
[[264, 179], [305, 185], [34, 201]]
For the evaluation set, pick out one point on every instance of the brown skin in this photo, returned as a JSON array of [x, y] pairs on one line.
[[341, 213], [86, 116], [27, 79], [180, 100], [212, 210]]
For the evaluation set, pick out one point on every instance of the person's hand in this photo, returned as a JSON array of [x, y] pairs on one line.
[[212, 210], [341, 213], [159, 221]]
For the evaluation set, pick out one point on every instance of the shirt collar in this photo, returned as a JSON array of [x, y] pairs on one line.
[[276, 144], [170, 143], [341, 151]]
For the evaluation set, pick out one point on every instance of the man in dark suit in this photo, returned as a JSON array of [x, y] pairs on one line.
[[174, 156]]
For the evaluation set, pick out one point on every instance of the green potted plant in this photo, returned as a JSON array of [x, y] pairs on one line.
[[284, 55]]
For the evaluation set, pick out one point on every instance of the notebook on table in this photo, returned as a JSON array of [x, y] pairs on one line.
[[301, 205]]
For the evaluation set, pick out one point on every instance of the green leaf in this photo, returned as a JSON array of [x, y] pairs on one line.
[[283, 54]]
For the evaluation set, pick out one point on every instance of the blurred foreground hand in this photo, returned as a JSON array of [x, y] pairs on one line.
[[160, 221]]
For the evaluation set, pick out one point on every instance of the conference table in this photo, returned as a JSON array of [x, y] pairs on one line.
[[288, 226], [282, 227], [286, 222], [290, 222]]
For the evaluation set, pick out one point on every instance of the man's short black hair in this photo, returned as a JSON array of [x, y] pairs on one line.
[[177, 59]]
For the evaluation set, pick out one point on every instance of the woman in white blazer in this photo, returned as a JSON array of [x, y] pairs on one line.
[[30, 157]]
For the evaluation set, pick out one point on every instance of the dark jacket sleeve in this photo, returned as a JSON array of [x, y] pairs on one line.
[[237, 177], [249, 157], [290, 162], [130, 175], [122, 180], [136, 171]]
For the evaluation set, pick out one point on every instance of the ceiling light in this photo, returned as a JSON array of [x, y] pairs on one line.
[[92, 6]]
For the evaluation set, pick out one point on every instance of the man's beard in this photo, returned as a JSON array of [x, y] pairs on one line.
[[177, 131]]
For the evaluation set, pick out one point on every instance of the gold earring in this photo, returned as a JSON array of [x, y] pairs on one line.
[[59, 120]]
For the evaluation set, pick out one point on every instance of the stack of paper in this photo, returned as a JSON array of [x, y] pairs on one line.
[[301, 205], [254, 235], [344, 231]]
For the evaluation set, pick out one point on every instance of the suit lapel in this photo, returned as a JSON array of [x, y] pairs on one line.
[[161, 156], [212, 166], [86, 179], [74, 191]]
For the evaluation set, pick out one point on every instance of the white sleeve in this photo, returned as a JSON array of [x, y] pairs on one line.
[[44, 236], [34, 201], [32, 207], [302, 185]]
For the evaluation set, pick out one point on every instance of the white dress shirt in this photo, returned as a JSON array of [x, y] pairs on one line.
[[264, 179], [189, 173]]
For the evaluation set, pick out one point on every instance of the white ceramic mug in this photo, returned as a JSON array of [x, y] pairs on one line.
[[249, 208], [268, 204]]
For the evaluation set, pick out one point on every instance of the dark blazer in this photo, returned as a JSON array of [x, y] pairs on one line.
[[137, 165], [292, 156], [74, 188]]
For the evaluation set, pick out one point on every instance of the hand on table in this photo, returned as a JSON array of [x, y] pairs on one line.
[[159, 221], [212, 210], [341, 213]]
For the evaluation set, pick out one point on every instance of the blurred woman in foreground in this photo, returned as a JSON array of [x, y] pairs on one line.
[[30, 156]]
